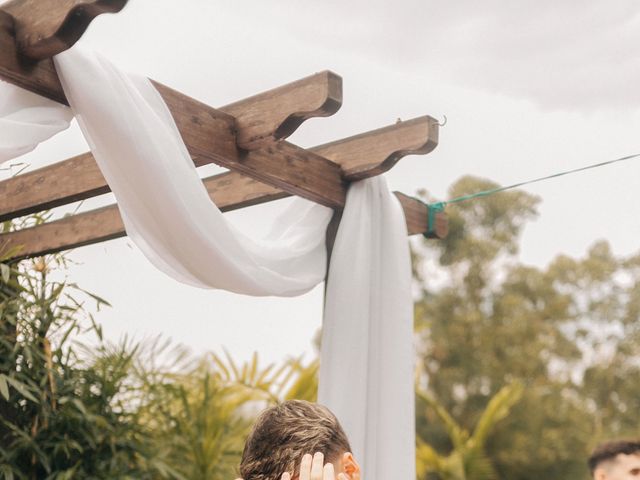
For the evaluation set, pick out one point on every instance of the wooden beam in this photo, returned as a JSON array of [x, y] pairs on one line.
[[296, 171], [210, 137], [417, 214], [276, 114], [38, 77], [79, 178], [73, 180], [229, 191], [208, 134], [44, 28], [376, 152], [271, 115]]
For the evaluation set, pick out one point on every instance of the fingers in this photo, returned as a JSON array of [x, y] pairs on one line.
[[328, 473], [313, 468], [317, 467], [305, 467]]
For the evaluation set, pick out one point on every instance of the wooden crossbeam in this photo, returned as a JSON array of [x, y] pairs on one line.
[[244, 137], [369, 155], [210, 137], [79, 178], [44, 28], [37, 76], [33, 31], [276, 114], [229, 191]]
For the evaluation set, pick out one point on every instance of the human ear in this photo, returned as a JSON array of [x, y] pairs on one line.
[[600, 474], [350, 466]]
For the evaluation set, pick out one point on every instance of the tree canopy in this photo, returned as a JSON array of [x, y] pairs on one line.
[[568, 331]]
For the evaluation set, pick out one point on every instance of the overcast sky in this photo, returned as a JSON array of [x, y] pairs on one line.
[[529, 88]]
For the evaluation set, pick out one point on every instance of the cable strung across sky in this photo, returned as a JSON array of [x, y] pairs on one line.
[[438, 206]]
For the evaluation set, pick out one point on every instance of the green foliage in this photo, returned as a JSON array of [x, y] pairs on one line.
[[61, 417], [129, 410], [564, 338], [202, 415], [568, 332], [467, 460]]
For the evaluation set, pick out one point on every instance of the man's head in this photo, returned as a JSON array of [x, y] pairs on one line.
[[618, 460], [284, 433]]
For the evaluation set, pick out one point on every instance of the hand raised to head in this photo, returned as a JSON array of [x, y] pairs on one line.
[[313, 468]]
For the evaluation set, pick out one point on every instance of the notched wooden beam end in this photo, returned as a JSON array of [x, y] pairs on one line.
[[416, 213], [375, 152], [277, 113], [44, 28], [39, 77]]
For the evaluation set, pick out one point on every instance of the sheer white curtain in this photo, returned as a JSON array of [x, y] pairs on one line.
[[367, 359], [26, 120], [164, 204]]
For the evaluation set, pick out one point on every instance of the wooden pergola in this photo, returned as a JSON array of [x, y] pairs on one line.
[[246, 137]]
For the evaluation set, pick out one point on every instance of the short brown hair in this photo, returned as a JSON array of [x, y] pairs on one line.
[[284, 433], [610, 450]]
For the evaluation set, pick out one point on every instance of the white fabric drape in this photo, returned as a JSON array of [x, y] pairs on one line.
[[367, 361], [164, 204], [26, 120]]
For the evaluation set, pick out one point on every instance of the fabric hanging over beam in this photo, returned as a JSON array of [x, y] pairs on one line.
[[367, 357], [165, 207], [170, 217], [26, 120]]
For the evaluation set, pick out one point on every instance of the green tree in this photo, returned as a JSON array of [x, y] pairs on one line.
[[568, 331]]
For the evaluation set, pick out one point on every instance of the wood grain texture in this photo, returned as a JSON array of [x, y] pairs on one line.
[[210, 136], [416, 213], [296, 171], [38, 77], [44, 28], [276, 114], [229, 191], [79, 178], [375, 152], [75, 179]]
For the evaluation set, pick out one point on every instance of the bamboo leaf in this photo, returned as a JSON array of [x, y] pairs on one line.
[[4, 388], [457, 434], [5, 272], [21, 388], [7, 472], [498, 408]]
